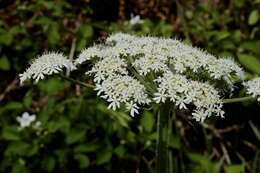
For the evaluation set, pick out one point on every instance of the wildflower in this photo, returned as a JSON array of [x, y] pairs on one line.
[[135, 20], [253, 87], [132, 71], [26, 119], [47, 64]]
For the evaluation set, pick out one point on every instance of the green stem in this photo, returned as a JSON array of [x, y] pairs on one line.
[[162, 159], [241, 99], [77, 81]]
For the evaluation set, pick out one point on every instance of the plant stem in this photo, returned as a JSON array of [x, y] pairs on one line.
[[77, 81], [162, 159], [241, 99]]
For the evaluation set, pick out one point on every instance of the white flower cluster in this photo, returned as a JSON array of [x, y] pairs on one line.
[[47, 64], [118, 89], [131, 71], [165, 62], [182, 92], [253, 87]]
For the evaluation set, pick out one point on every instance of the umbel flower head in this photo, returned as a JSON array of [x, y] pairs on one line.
[[134, 71], [47, 64], [131, 72], [253, 88]]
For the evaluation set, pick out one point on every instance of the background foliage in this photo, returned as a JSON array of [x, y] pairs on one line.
[[78, 133]]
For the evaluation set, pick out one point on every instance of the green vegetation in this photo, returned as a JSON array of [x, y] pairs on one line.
[[78, 133]]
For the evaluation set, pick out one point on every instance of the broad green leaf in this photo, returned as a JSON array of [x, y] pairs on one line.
[[86, 31], [75, 135], [253, 17], [103, 157], [19, 167], [120, 151], [52, 86], [235, 169], [222, 35], [11, 133], [85, 148], [17, 148], [83, 160], [13, 106], [4, 63], [250, 62]]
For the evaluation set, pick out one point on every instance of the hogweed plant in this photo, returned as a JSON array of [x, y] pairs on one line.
[[136, 72]]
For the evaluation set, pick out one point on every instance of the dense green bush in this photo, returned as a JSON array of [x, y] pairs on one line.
[[78, 133]]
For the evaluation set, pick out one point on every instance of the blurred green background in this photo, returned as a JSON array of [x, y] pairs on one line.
[[78, 133]]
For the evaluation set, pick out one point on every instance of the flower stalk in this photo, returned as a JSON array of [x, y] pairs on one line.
[[162, 149]]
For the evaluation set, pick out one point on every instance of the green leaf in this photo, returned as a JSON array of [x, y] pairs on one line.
[[17, 148], [83, 160], [250, 62], [48, 163], [103, 157], [6, 38], [13, 106], [147, 121], [235, 169], [63, 125], [75, 135], [253, 17], [11, 133], [86, 31], [27, 100], [19, 167], [4, 63], [85, 148], [120, 151], [52, 86]]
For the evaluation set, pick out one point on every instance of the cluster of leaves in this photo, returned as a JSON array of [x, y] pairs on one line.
[[78, 133]]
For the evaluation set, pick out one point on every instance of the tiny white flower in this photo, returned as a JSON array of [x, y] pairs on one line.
[[26, 119], [135, 20]]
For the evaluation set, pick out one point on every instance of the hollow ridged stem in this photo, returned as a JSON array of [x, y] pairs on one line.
[[162, 153], [241, 99]]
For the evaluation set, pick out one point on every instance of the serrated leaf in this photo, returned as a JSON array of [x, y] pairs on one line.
[[253, 17], [250, 62]]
